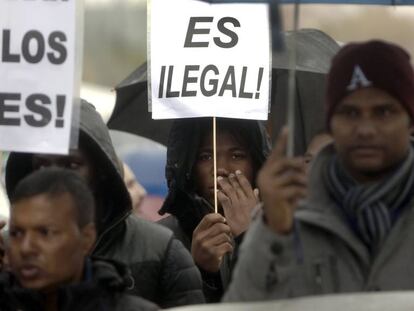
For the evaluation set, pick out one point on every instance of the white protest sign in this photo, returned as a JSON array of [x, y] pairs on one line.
[[37, 74], [209, 59]]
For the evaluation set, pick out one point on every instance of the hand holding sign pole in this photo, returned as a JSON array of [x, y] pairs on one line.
[[209, 60]]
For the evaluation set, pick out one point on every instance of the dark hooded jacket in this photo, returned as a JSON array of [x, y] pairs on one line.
[[162, 269], [186, 207], [103, 288]]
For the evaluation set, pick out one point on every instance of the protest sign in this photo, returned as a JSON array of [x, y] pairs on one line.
[[209, 59], [38, 74]]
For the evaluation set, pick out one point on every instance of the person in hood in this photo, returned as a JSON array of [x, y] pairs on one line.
[[242, 147], [162, 269], [51, 233], [355, 230]]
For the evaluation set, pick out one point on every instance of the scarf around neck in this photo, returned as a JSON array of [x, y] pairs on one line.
[[371, 209]]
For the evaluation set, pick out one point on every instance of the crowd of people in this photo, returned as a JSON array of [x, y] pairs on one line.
[[337, 219]]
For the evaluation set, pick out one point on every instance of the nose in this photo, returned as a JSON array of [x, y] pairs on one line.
[[222, 167], [27, 246], [366, 128]]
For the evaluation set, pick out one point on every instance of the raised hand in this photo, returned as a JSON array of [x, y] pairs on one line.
[[282, 183]]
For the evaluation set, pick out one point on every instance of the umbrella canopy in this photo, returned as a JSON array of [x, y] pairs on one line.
[[131, 113], [314, 52]]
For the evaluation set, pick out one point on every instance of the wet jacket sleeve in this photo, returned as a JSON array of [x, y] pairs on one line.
[[263, 257], [181, 279]]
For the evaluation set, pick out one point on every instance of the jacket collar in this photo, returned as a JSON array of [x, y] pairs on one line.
[[320, 210]]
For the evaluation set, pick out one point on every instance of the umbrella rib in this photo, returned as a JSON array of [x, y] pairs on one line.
[[292, 86]]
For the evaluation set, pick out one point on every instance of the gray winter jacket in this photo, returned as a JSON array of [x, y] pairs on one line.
[[163, 270], [322, 255]]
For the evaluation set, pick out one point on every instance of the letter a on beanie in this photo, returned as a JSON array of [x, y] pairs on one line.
[[358, 80]]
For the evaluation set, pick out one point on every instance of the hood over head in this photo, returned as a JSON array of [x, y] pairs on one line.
[[184, 141], [112, 197]]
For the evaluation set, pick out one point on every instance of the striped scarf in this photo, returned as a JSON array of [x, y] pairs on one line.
[[371, 209]]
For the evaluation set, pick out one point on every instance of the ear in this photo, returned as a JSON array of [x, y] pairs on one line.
[[88, 238]]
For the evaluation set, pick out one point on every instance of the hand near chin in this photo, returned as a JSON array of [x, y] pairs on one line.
[[238, 199], [211, 241]]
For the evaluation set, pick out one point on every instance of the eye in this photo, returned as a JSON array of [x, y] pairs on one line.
[[15, 233], [384, 111], [44, 232], [239, 155], [204, 156], [40, 163], [348, 112]]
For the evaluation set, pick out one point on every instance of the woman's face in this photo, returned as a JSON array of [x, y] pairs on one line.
[[231, 156]]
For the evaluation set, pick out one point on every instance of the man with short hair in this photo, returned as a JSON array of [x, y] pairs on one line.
[[51, 233], [162, 269], [355, 230]]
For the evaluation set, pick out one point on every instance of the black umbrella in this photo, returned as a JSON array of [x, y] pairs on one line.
[[314, 52], [131, 109]]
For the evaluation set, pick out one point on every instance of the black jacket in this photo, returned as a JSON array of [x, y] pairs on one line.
[[162, 269], [103, 288], [185, 206]]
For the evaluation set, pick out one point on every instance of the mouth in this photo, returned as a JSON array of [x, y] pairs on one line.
[[29, 272], [366, 149]]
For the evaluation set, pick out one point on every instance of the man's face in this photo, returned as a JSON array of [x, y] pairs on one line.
[[231, 156], [77, 161], [371, 131], [47, 248]]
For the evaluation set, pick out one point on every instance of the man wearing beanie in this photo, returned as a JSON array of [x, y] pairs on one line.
[[349, 226]]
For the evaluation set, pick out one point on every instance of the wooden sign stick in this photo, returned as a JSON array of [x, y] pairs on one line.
[[215, 163]]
